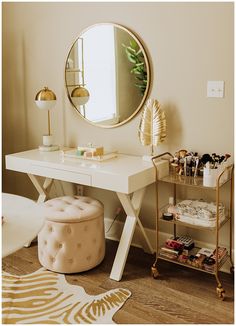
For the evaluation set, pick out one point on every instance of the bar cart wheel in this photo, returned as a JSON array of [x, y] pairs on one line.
[[220, 292], [154, 272]]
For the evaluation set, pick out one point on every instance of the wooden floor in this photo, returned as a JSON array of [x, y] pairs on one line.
[[179, 296]]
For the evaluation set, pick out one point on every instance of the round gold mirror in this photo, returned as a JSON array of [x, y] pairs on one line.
[[107, 75]]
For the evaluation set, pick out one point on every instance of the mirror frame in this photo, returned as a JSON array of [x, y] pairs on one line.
[[146, 60]]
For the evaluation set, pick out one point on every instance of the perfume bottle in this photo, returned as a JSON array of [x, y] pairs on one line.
[[171, 207]]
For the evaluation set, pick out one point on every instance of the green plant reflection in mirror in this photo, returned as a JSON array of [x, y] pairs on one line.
[[136, 57], [111, 64]]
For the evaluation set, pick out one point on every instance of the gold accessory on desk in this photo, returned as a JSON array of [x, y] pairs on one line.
[[152, 128], [45, 99]]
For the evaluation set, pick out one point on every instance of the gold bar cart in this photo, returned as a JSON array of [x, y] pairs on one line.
[[196, 182]]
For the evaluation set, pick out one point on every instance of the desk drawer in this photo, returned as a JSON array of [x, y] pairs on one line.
[[60, 174]]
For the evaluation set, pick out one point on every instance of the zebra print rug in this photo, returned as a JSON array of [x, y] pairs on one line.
[[44, 297]]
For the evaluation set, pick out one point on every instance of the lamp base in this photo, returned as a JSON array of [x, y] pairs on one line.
[[50, 148]]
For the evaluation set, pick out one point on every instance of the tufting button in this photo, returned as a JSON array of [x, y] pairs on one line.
[[94, 240], [88, 257], [45, 242], [86, 228], [79, 245], [53, 259], [50, 229], [60, 245], [68, 229], [70, 260]]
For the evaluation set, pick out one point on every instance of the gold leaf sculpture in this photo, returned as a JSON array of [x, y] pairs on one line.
[[152, 128]]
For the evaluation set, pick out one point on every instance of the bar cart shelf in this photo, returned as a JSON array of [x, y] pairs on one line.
[[179, 180]]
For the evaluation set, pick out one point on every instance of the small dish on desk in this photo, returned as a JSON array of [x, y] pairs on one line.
[[74, 153]]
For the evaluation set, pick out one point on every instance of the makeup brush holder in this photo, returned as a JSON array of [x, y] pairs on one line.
[[210, 176]]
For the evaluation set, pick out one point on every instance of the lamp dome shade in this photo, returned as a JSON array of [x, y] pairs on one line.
[[45, 99], [80, 95]]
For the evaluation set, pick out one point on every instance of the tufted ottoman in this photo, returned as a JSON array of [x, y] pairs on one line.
[[72, 238]]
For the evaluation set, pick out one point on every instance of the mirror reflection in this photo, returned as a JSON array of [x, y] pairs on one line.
[[107, 75]]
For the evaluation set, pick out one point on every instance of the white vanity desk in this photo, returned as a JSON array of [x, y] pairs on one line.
[[124, 175]]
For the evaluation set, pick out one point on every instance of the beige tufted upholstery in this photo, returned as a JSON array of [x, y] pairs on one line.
[[72, 239]]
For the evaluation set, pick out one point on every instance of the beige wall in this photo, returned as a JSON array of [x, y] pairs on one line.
[[189, 43]]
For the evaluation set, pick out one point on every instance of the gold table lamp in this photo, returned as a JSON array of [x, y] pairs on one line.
[[45, 99]]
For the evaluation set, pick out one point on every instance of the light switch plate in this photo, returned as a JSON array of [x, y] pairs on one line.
[[215, 88]]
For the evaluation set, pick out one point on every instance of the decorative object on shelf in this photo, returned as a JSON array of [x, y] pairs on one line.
[[45, 99], [152, 128]]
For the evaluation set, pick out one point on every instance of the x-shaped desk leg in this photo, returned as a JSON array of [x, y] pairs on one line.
[[42, 189], [132, 208]]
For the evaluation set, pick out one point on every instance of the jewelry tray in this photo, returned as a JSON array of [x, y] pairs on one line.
[[72, 154]]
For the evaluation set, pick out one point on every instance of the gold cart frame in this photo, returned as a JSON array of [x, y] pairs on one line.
[[197, 182]]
